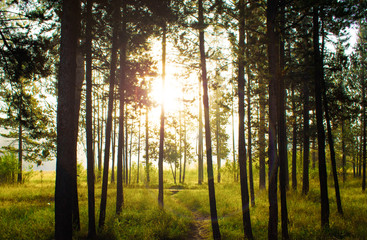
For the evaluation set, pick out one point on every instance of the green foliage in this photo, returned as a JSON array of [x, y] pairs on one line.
[[8, 167]]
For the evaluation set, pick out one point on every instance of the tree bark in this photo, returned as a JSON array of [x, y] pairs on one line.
[[89, 125], [65, 174], [212, 200], [294, 147], [121, 143], [318, 62], [241, 122], [306, 139], [161, 132], [116, 21], [147, 145], [200, 148], [273, 58]]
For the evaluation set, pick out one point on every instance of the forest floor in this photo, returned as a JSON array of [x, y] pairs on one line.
[[27, 211]]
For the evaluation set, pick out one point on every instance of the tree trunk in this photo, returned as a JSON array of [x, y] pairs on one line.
[[65, 173], [161, 132], [343, 151], [262, 130], [235, 176], [306, 139], [212, 201], [126, 154], [20, 151], [217, 113], [138, 162], [116, 20], [273, 58], [147, 145], [282, 130], [294, 147], [251, 177], [241, 122], [121, 143], [89, 125], [364, 121], [113, 147], [319, 119], [201, 147]]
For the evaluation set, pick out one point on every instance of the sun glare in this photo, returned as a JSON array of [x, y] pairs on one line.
[[171, 92]]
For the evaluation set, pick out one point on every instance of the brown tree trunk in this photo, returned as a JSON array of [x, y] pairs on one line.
[[212, 201], [241, 122], [319, 119], [121, 143], [89, 125], [273, 58], [65, 173], [116, 20], [161, 132]]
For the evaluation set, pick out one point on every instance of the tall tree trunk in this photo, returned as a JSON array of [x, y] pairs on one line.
[[251, 177], [241, 124], [185, 153], [20, 150], [282, 129], [262, 129], [116, 20], [89, 125], [201, 147], [235, 176], [217, 113], [364, 121], [343, 151], [180, 143], [161, 132], [306, 138], [121, 143], [113, 147], [273, 58], [130, 149], [65, 173], [294, 138], [138, 162], [319, 119], [212, 201], [126, 154], [147, 145]]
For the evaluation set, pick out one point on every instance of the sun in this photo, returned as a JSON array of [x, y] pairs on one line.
[[171, 93]]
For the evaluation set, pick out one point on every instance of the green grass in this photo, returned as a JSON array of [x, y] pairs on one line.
[[27, 210]]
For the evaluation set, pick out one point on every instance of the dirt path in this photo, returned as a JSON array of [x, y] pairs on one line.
[[200, 229]]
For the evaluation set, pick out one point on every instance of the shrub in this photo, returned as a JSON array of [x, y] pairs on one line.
[[8, 168]]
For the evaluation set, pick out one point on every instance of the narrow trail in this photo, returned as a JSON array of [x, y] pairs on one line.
[[200, 229]]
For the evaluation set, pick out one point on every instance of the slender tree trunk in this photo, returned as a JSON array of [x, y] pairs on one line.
[[89, 126], [20, 150], [212, 201], [200, 149], [364, 121], [126, 154], [306, 139], [343, 151], [185, 152], [251, 177], [65, 174], [241, 122], [139, 136], [147, 145], [262, 129], [319, 119], [121, 143], [294, 147], [130, 149], [282, 130], [218, 140], [273, 58], [113, 147], [235, 176], [180, 142], [161, 132], [116, 20]]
